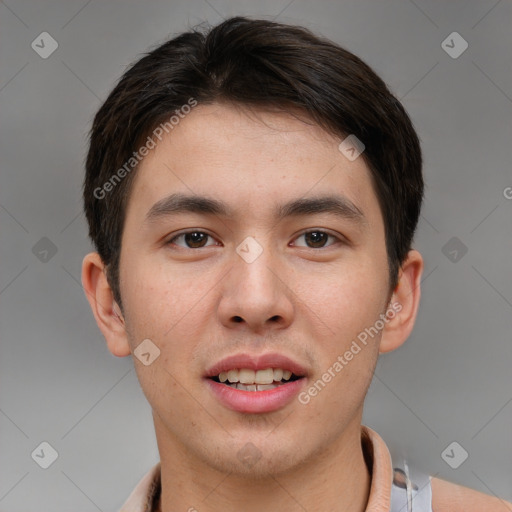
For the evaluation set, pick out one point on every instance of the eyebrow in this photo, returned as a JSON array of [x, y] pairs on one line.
[[337, 205]]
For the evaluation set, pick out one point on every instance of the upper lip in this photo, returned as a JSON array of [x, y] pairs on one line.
[[256, 362]]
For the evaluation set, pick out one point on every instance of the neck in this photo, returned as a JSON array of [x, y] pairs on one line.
[[336, 479]]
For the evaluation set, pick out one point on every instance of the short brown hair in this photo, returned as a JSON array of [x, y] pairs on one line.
[[261, 64]]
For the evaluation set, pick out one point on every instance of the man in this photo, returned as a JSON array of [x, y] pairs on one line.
[[252, 194]]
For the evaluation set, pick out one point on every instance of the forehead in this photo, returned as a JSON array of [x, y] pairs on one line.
[[248, 158], [231, 130]]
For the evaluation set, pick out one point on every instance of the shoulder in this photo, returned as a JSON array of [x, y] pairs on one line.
[[450, 497]]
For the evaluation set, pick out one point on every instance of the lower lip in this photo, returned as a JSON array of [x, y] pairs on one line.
[[256, 401]]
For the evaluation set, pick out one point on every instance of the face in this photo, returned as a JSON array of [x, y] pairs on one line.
[[263, 278]]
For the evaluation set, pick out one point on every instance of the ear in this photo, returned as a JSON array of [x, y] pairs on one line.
[[404, 302], [106, 311]]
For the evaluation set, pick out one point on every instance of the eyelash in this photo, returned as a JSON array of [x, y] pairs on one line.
[[330, 235]]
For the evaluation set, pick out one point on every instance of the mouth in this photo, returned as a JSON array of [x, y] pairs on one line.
[[256, 384], [246, 379]]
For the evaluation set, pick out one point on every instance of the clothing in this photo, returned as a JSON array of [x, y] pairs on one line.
[[390, 486]]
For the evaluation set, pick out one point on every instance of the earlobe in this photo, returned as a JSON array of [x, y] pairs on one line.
[[106, 311], [406, 299]]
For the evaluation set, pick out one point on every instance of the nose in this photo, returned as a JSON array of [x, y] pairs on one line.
[[256, 295]]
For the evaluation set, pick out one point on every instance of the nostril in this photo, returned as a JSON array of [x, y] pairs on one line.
[[238, 319]]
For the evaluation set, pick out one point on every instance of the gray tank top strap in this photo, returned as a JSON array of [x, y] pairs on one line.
[[411, 490]]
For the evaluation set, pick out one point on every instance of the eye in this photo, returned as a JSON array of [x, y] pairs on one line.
[[192, 240], [316, 239]]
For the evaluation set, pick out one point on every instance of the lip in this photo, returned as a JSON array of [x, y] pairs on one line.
[[256, 402], [260, 362]]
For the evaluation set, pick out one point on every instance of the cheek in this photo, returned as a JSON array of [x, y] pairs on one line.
[[168, 305], [163, 308], [344, 344], [342, 308], [155, 297], [343, 301]]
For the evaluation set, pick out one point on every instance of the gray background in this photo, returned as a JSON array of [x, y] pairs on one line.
[[59, 384]]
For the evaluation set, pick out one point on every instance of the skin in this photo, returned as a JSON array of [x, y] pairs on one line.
[[199, 305]]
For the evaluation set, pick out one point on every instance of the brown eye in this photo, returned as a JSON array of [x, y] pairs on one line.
[[191, 239], [196, 239], [316, 239]]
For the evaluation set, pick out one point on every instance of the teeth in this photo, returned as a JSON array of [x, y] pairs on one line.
[[233, 376], [264, 387], [264, 376], [278, 374], [255, 387], [249, 387], [247, 377]]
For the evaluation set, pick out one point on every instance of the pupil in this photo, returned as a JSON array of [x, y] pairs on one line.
[[195, 239], [316, 238]]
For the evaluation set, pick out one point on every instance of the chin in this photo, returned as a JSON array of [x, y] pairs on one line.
[[254, 464], [252, 456]]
